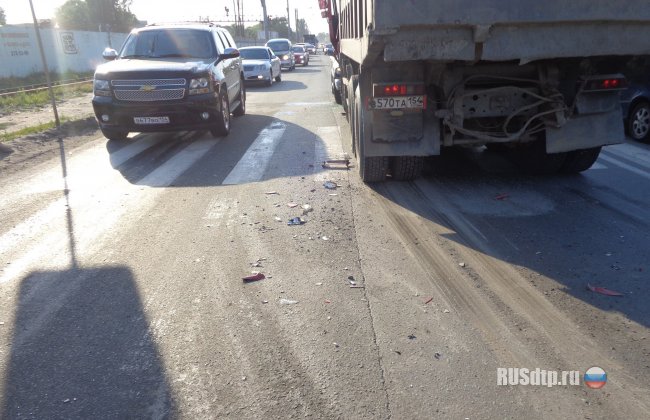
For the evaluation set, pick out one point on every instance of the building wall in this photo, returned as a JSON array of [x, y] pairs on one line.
[[65, 50]]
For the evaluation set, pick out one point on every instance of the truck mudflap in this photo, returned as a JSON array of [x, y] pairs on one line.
[[586, 131]]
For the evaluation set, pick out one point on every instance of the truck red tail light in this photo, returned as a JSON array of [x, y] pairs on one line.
[[602, 83], [404, 89]]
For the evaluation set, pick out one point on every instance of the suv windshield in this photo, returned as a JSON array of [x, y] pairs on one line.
[[169, 43], [254, 54], [278, 46]]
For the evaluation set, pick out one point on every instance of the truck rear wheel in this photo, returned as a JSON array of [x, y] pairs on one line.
[[406, 168], [533, 159], [580, 160], [371, 169]]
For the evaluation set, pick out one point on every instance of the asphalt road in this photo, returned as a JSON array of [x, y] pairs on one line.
[[121, 265]]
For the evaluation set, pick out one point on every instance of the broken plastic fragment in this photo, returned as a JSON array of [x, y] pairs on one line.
[[254, 277], [271, 193], [306, 208], [428, 300], [603, 291], [292, 205], [295, 221], [288, 302], [330, 185], [502, 196]]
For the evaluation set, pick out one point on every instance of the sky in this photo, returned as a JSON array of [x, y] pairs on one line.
[[18, 11]]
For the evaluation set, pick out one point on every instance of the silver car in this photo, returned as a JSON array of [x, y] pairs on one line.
[[260, 65], [282, 48]]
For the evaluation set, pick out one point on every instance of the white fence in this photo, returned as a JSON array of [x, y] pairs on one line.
[[77, 51]]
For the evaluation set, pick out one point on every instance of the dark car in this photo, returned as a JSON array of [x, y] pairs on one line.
[[335, 80], [170, 78], [635, 102]]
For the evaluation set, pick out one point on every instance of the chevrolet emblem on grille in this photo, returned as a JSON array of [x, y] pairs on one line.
[[147, 88]]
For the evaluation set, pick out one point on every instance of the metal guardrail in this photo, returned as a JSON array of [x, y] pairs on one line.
[[38, 87]]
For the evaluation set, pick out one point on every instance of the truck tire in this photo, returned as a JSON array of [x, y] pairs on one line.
[[222, 126], [580, 160], [371, 169], [241, 108], [532, 159], [406, 168], [638, 122], [114, 135]]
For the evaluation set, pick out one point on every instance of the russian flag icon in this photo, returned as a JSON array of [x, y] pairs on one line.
[[595, 378]]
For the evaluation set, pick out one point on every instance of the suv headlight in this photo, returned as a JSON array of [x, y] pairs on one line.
[[285, 57], [102, 87], [199, 86]]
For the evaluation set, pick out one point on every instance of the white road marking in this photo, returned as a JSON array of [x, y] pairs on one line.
[[253, 164], [308, 104], [166, 173], [598, 166], [98, 201], [624, 165]]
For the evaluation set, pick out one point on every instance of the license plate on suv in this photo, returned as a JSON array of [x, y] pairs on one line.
[[398, 102], [151, 120]]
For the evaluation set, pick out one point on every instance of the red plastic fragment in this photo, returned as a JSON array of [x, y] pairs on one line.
[[502, 196], [428, 300], [603, 291], [254, 277]]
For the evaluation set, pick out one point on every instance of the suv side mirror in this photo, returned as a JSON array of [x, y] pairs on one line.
[[109, 54], [229, 53]]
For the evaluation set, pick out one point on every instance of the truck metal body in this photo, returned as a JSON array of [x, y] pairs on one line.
[[538, 79]]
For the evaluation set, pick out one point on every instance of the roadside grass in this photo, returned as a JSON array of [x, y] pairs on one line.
[[39, 78], [41, 98], [7, 137]]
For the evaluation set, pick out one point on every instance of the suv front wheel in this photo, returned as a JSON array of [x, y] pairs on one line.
[[222, 126]]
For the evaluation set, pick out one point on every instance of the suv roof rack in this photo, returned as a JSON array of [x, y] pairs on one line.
[[186, 22]]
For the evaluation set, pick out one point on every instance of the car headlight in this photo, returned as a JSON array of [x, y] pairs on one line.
[[102, 87], [199, 86], [285, 57]]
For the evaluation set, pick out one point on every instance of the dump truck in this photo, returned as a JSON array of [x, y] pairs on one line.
[[537, 80]]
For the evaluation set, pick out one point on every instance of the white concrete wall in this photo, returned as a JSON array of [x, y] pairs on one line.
[[65, 50]]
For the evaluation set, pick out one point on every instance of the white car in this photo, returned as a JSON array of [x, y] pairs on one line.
[[260, 65]]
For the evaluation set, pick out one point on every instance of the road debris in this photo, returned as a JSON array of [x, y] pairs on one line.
[[254, 277], [277, 219], [265, 302], [462, 264], [446, 311], [603, 291], [319, 284], [336, 344], [502, 196], [325, 238], [288, 302], [352, 281], [428, 300], [306, 208], [330, 185], [412, 337], [337, 164], [296, 221], [292, 205], [437, 355], [272, 193]]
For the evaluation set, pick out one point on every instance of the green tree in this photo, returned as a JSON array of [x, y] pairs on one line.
[[94, 15], [3, 17]]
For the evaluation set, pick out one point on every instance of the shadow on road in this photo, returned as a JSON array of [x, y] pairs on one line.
[[293, 154], [577, 230], [81, 345]]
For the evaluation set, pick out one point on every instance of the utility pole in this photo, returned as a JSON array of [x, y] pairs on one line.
[[297, 27], [266, 21], [47, 71], [288, 21]]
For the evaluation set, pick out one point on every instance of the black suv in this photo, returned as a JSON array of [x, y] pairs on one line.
[[170, 78]]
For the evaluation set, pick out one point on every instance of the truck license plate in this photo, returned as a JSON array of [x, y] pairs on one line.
[[151, 120], [398, 102]]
